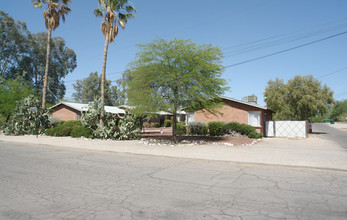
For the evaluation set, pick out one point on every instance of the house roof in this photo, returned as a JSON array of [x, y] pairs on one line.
[[245, 103], [84, 107]]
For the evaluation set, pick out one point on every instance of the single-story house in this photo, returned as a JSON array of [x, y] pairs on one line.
[[159, 117], [67, 111], [234, 110]]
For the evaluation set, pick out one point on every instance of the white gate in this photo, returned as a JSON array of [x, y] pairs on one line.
[[269, 129], [288, 129]]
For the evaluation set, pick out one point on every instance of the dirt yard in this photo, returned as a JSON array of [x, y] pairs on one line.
[[165, 134]]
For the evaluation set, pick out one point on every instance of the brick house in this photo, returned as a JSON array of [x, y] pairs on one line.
[[67, 111], [235, 110]]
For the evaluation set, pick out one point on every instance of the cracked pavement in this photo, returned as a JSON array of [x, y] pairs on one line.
[[40, 182]]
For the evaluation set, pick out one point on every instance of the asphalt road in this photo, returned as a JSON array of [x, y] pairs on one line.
[[38, 182], [328, 132]]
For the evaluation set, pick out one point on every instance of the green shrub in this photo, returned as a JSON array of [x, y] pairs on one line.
[[80, 131], [63, 128], [232, 126], [49, 132], [2, 121], [167, 123], [54, 121], [204, 130], [318, 119], [72, 123], [181, 128], [259, 135], [246, 129], [197, 128], [252, 134], [255, 135], [156, 125], [216, 128]]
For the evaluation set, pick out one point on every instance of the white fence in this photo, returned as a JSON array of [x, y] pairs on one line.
[[288, 129]]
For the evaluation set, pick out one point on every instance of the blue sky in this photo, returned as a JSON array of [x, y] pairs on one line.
[[243, 29]]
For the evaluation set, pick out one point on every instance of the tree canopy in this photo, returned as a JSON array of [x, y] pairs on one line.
[[23, 55], [88, 90], [12, 91], [300, 98], [14, 43], [169, 75], [339, 111]]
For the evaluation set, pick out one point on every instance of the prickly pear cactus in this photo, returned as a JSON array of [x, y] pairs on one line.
[[27, 117]]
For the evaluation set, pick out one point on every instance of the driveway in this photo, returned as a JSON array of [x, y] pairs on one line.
[[336, 132]]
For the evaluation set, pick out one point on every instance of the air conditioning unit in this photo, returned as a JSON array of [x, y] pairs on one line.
[[251, 99]]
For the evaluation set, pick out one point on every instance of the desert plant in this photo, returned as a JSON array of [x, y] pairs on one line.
[[28, 118], [129, 128], [181, 128], [115, 127], [197, 128], [216, 128]]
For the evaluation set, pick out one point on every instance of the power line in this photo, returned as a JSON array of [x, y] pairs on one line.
[[341, 94], [286, 50], [328, 74], [286, 39]]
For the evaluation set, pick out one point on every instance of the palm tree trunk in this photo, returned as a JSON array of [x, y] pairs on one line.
[[103, 80], [45, 80]]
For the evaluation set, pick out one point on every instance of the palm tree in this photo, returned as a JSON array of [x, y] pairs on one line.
[[55, 10], [114, 13]]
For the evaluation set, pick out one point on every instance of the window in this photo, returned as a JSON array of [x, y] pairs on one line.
[[190, 117], [254, 118]]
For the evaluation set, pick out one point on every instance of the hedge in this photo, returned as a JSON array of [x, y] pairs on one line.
[[216, 128], [197, 128]]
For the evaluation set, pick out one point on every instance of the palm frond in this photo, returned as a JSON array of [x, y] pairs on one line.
[[115, 12], [37, 5], [130, 9], [121, 23], [98, 13]]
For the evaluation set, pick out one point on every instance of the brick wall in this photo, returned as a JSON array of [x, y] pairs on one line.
[[233, 112], [65, 113]]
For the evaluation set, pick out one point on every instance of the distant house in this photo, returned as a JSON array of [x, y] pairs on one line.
[[67, 111], [158, 117], [234, 110]]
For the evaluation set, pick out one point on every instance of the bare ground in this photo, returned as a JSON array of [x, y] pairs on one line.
[[166, 135]]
